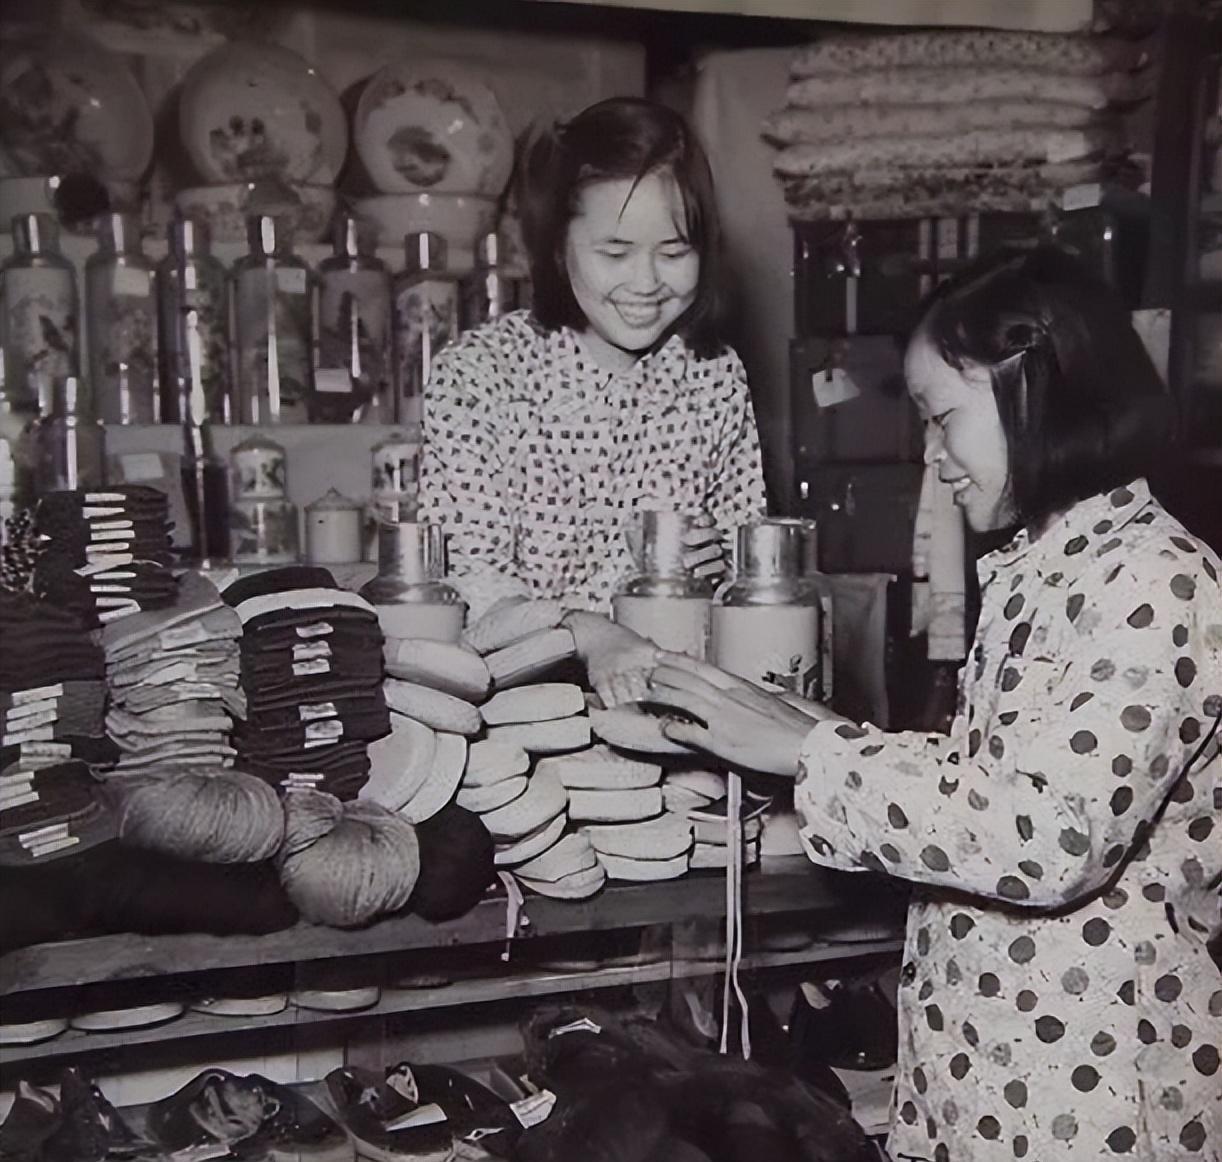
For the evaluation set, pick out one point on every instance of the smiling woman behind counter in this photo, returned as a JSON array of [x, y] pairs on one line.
[[545, 430]]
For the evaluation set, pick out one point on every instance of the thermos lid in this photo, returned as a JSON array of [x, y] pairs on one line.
[[771, 548], [333, 501]]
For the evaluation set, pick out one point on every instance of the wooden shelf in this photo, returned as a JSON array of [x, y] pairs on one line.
[[73, 963], [518, 985]]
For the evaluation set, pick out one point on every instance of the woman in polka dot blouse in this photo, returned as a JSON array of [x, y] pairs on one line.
[[545, 429], [1058, 996]]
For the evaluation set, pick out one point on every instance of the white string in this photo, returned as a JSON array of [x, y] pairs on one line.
[[734, 918]]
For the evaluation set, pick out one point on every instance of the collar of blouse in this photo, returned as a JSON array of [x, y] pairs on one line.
[[1084, 528]]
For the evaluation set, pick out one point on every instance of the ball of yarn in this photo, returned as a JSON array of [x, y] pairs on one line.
[[211, 815], [457, 862], [344, 864]]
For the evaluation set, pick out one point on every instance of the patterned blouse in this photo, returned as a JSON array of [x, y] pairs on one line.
[[1057, 1000], [534, 456]]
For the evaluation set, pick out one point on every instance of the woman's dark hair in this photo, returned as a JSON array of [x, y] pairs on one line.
[[1083, 407], [620, 138]]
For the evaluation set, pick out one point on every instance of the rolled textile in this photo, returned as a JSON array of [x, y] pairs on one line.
[[923, 86], [1051, 52], [344, 864], [854, 123], [212, 815], [980, 148], [936, 193]]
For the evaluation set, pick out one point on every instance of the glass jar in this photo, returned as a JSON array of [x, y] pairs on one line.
[[263, 525], [193, 329], [273, 321], [353, 377], [205, 488], [663, 601], [70, 444], [490, 290], [39, 314], [121, 322], [766, 624], [426, 298], [409, 591]]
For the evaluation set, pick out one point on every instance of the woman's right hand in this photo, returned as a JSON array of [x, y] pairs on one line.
[[741, 724]]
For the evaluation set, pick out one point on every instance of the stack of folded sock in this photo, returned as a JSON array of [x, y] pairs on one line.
[[52, 703], [311, 671], [52, 688], [173, 676], [49, 811], [104, 555]]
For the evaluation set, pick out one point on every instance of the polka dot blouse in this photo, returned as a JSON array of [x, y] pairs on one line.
[[534, 456], [1057, 997]]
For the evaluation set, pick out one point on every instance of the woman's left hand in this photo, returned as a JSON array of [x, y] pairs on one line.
[[742, 724], [704, 554]]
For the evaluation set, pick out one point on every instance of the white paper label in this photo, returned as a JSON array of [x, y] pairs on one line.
[[333, 379], [776, 646], [112, 524], [304, 651], [189, 278], [530, 1111], [677, 624], [313, 667], [833, 386], [141, 466], [38, 693], [316, 629], [104, 498], [100, 565], [291, 279], [131, 281], [581, 1025], [324, 731], [42, 734], [311, 710], [1082, 197]]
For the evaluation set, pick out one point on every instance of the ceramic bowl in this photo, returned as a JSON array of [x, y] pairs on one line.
[[432, 126], [251, 110], [307, 210], [69, 106]]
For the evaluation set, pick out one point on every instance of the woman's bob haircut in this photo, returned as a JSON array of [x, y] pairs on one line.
[[620, 138], [1083, 408]]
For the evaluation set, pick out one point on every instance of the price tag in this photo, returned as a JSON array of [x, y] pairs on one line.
[[426, 1115], [291, 280], [141, 466], [833, 386], [530, 1111], [1082, 197], [310, 668], [316, 629], [131, 282], [189, 278], [311, 710], [337, 380]]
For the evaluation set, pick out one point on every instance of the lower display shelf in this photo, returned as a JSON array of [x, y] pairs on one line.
[[795, 886], [520, 985]]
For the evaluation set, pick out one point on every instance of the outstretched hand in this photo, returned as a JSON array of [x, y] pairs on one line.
[[740, 723], [704, 553]]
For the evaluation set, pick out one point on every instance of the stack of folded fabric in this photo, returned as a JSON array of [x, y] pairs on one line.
[[104, 555], [52, 688], [944, 123], [173, 678], [48, 811], [311, 673]]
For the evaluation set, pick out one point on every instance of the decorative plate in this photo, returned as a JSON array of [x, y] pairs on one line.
[[433, 127], [252, 110]]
